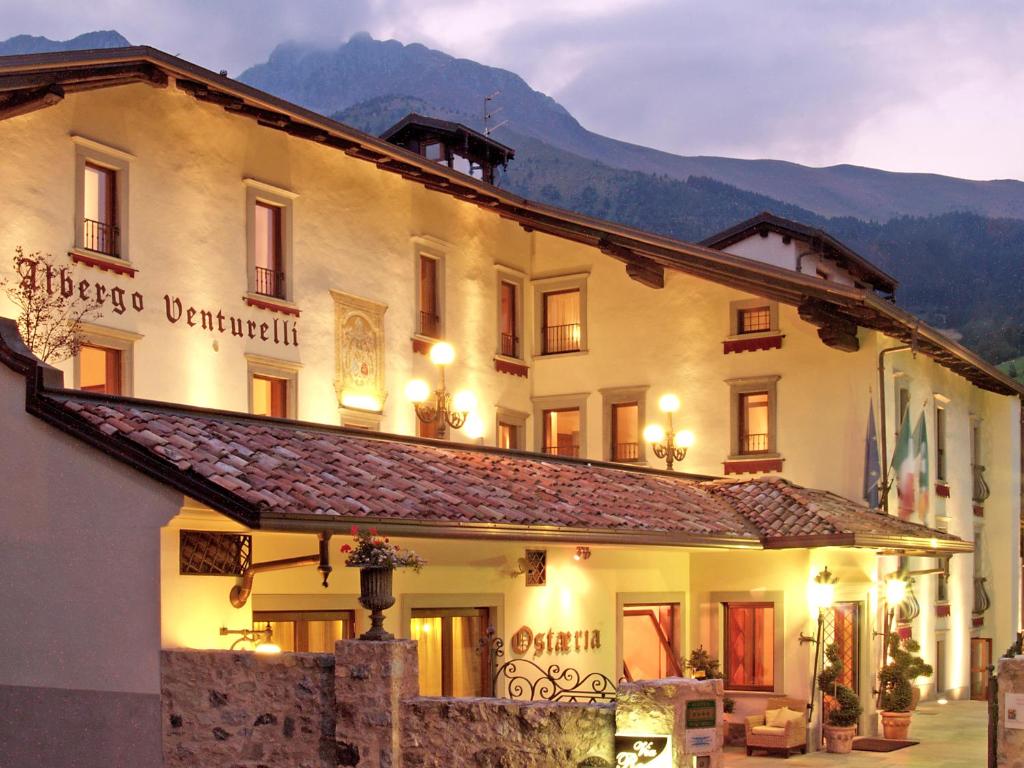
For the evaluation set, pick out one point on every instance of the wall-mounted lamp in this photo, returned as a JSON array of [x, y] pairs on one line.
[[262, 639], [443, 409], [668, 444], [582, 553], [821, 594]]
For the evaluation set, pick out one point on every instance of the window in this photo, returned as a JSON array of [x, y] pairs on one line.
[[269, 396], [101, 202], [902, 406], [753, 423], [99, 215], [273, 387], [940, 444], [100, 369], [426, 428], [508, 435], [267, 241], [749, 646], [306, 631], [509, 319], [841, 626], [625, 432], [562, 431], [435, 151], [649, 646], [430, 318], [562, 327], [452, 659], [754, 320], [942, 580], [269, 238]]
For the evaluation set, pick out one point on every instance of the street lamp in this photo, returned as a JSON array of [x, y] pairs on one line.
[[821, 594], [444, 409], [668, 444]]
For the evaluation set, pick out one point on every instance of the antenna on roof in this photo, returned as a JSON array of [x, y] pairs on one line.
[[489, 113]]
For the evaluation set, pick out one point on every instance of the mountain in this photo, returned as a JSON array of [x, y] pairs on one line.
[[333, 80], [20, 44]]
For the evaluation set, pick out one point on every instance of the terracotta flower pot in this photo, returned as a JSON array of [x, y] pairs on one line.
[[839, 738], [895, 724], [375, 596]]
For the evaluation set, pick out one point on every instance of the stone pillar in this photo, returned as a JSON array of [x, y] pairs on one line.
[[370, 681], [658, 708], [1010, 740]]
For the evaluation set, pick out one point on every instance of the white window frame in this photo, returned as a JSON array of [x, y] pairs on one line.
[[258, 365], [436, 249], [119, 161], [559, 402], [268, 194], [555, 284], [110, 338], [615, 396]]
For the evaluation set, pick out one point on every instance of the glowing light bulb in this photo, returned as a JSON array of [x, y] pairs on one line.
[[425, 628], [464, 401], [895, 591], [360, 402], [654, 433], [474, 427], [668, 403], [417, 391], [684, 438], [442, 353], [268, 648]]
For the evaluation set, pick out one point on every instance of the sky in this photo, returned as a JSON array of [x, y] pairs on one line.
[[904, 85]]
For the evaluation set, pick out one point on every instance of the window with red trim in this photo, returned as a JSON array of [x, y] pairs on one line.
[[749, 646]]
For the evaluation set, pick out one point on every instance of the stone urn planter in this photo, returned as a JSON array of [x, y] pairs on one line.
[[895, 725], [375, 595], [839, 739]]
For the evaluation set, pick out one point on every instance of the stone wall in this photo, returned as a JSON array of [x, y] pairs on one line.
[[248, 710], [1009, 741], [499, 733]]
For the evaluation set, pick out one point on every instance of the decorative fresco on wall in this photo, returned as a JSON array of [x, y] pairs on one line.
[[359, 351]]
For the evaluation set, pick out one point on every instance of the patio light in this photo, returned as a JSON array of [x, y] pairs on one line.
[[443, 409], [668, 444]]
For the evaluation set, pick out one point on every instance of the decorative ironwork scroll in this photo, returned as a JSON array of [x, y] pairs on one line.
[[207, 553], [527, 680]]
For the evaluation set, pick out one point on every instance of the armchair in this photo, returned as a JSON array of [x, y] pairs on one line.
[[776, 730]]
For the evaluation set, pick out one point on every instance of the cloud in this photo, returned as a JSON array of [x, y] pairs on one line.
[[926, 85]]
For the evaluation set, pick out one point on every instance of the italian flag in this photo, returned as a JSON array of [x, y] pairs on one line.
[[921, 456], [904, 464]]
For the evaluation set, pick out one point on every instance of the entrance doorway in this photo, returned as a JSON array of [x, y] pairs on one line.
[[307, 631], [981, 660], [650, 650], [453, 658]]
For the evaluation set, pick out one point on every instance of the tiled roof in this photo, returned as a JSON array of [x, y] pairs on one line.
[[288, 470], [302, 470], [778, 509]]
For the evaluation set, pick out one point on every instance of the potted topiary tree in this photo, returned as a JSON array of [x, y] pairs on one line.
[[896, 685], [376, 558], [841, 719]]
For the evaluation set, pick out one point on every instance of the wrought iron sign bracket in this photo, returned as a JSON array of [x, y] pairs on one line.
[[322, 560]]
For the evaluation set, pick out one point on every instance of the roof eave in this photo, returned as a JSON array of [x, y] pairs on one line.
[[915, 544]]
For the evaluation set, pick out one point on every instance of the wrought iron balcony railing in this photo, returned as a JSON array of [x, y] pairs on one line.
[[561, 338], [982, 602], [430, 325], [509, 345], [269, 282], [101, 237], [754, 443]]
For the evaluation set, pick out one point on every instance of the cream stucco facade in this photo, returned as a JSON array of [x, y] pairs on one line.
[[191, 171]]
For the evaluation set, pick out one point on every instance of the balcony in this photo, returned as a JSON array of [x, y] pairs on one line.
[[269, 282], [509, 344], [430, 325], [626, 452], [980, 490], [101, 237], [561, 338], [753, 444], [565, 449]]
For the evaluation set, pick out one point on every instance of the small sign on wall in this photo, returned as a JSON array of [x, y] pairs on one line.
[[700, 741], [700, 713], [1014, 707], [648, 751]]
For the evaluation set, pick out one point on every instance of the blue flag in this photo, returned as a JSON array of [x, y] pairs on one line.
[[872, 464]]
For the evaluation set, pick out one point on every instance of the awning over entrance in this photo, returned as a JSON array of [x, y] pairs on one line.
[[285, 475]]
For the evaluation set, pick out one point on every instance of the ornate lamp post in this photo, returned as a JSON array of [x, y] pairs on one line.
[[668, 444], [443, 409], [821, 596]]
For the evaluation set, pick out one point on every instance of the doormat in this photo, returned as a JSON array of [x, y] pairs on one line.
[[867, 744]]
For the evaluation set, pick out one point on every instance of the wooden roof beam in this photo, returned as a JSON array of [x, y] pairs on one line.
[[22, 102]]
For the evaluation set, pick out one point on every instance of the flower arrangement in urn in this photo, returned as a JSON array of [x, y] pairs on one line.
[[896, 683], [376, 558], [841, 719]]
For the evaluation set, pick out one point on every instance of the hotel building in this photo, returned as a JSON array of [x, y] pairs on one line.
[[267, 284]]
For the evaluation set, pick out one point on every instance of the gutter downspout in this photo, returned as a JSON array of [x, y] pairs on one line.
[[881, 416], [240, 592]]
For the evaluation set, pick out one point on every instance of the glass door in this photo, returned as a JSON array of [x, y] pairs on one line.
[[453, 658], [842, 627], [649, 647]]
